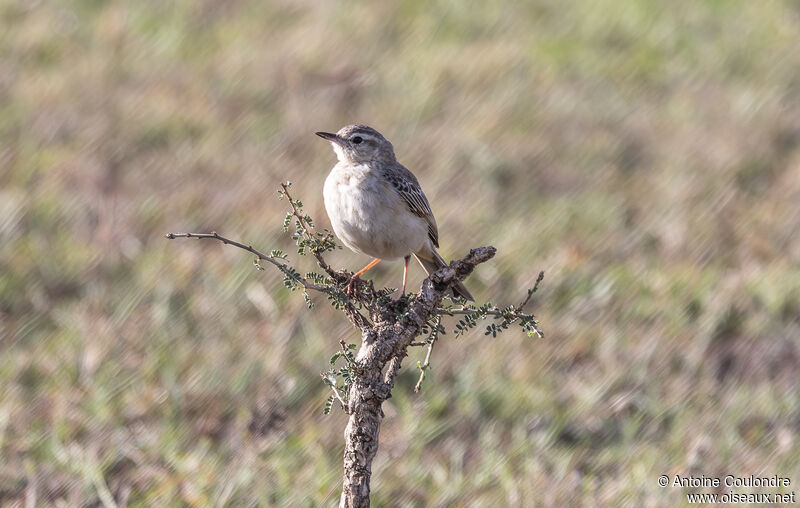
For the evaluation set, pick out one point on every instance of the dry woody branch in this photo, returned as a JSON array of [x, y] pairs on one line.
[[362, 377]]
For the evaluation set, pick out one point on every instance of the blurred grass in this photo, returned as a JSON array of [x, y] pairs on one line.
[[644, 154]]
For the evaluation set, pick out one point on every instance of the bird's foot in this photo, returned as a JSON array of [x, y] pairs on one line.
[[351, 289]]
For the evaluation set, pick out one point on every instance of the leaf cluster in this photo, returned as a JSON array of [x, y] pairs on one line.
[[502, 319]]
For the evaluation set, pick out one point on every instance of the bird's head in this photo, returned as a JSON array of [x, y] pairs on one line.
[[359, 143]]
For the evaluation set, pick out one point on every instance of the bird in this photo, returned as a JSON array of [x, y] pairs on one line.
[[376, 205]]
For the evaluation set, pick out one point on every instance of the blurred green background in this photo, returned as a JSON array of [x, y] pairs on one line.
[[644, 154]]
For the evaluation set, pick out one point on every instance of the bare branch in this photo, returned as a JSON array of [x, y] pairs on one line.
[[285, 268], [355, 317]]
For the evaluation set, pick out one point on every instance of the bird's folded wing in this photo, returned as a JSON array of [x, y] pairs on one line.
[[406, 184]]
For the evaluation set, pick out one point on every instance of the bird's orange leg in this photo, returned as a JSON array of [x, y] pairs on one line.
[[352, 287], [363, 270], [405, 275]]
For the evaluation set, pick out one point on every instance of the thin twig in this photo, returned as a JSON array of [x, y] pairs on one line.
[[425, 365], [495, 311], [510, 314], [304, 227], [539, 279], [466, 312], [491, 312], [357, 318], [260, 255], [336, 393]]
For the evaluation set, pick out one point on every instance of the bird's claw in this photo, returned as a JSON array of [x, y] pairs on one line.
[[351, 289]]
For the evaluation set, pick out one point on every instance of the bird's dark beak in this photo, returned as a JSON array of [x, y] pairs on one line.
[[330, 137]]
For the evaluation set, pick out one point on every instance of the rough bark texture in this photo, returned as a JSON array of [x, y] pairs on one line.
[[361, 441], [386, 343]]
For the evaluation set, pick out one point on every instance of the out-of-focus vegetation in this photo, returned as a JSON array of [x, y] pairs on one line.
[[644, 154]]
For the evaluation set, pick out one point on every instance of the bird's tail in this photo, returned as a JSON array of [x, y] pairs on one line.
[[436, 262]]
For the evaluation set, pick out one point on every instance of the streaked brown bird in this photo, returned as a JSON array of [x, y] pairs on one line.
[[376, 205]]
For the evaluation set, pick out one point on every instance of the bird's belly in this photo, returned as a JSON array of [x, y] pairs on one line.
[[371, 218]]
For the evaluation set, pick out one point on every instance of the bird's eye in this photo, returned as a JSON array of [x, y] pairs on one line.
[[357, 140]]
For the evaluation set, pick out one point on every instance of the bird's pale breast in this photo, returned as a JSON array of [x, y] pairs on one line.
[[369, 216]]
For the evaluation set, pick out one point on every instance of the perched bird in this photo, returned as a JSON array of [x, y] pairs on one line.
[[376, 205]]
